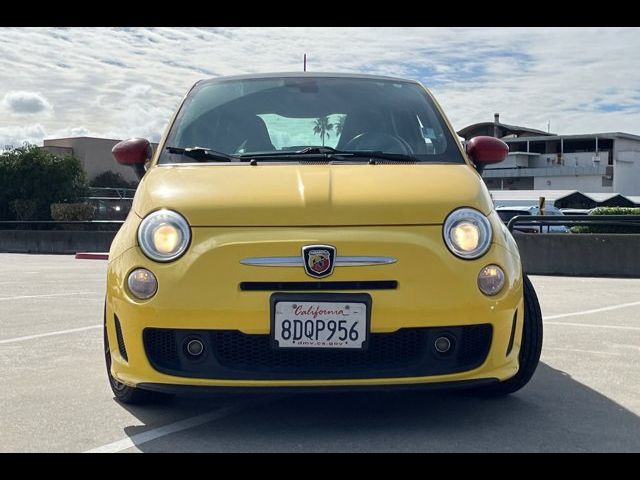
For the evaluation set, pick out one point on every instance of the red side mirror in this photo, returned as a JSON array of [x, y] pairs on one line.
[[133, 152], [486, 150]]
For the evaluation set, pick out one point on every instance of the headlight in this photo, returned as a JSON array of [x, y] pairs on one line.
[[164, 235], [467, 233]]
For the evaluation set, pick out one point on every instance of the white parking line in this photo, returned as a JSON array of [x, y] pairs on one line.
[[49, 334], [591, 325], [149, 435], [66, 294], [580, 350], [595, 310]]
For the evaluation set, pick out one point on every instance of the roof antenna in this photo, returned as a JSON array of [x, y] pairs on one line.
[[305, 62]]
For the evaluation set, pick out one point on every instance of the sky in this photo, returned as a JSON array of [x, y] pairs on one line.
[[126, 82]]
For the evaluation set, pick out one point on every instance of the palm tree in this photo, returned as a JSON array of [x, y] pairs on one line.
[[339, 125], [322, 127]]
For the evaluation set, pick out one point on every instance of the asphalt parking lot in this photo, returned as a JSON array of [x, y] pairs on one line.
[[54, 395]]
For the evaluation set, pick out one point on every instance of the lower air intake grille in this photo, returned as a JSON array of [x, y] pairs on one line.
[[230, 354], [162, 347], [121, 347], [387, 350]]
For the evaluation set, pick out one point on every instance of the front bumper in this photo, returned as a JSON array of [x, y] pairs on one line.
[[205, 390], [201, 292]]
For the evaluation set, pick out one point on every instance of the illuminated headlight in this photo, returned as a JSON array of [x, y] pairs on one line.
[[467, 233], [142, 283], [164, 235], [491, 280]]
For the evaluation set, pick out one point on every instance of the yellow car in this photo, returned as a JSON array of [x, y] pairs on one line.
[[311, 232]]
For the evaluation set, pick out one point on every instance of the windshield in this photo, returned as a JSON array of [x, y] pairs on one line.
[[288, 114]]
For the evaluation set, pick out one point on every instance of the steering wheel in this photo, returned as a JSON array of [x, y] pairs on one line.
[[379, 141]]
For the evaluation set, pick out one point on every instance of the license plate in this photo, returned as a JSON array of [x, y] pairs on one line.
[[304, 323]]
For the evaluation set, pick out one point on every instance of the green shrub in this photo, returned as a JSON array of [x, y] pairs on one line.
[[72, 211], [609, 228], [615, 211], [579, 229], [31, 179], [23, 209]]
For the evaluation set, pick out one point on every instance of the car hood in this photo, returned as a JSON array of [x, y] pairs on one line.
[[311, 195]]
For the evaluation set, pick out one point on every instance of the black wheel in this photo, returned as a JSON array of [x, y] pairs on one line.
[[530, 347], [122, 392]]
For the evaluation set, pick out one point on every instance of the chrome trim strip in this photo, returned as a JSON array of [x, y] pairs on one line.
[[273, 261], [357, 261], [361, 261]]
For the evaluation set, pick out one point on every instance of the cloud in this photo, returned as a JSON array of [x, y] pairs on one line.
[[121, 82], [23, 102], [16, 135]]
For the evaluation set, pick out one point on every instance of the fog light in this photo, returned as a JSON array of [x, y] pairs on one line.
[[194, 347], [442, 344], [491, 280], [142, 283]]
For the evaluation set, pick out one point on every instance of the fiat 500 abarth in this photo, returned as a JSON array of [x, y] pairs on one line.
[[314, 231]]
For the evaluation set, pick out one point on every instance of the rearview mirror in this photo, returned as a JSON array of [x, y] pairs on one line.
[[485, 151], [133, 152]]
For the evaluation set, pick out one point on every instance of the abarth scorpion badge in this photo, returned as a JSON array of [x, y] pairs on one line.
[[318, 260]]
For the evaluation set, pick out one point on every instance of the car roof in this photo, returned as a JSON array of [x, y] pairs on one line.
[[306, 75], [524, 208]]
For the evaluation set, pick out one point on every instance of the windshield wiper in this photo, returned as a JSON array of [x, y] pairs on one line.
[[201, 153], [333, 154], [311, 151], [378, 155]]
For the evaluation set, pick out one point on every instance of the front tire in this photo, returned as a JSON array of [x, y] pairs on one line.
[[123, 393], [530, 346]]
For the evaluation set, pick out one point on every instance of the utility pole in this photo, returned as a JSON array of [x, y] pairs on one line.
[[305, 62]]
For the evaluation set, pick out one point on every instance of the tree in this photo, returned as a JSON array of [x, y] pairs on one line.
[[112, 180], [31, 179], [339, 125], [322, 127]]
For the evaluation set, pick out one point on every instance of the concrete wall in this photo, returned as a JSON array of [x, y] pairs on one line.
[[59, 151], [588, 255], [513, 160], [626, 173], [571, 159], [582, 183], [54, 241], [510, 183], [93, 153]]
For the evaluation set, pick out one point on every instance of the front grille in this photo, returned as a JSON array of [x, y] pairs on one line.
[[121, 346], [230, 354], [161, 346], [237, 350], [473, 343], [318, 286]]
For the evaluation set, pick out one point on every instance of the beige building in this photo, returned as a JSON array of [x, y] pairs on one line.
[[595, 162], [93, 153]]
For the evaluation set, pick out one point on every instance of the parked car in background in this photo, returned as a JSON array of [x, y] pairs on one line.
[[507, 213]]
